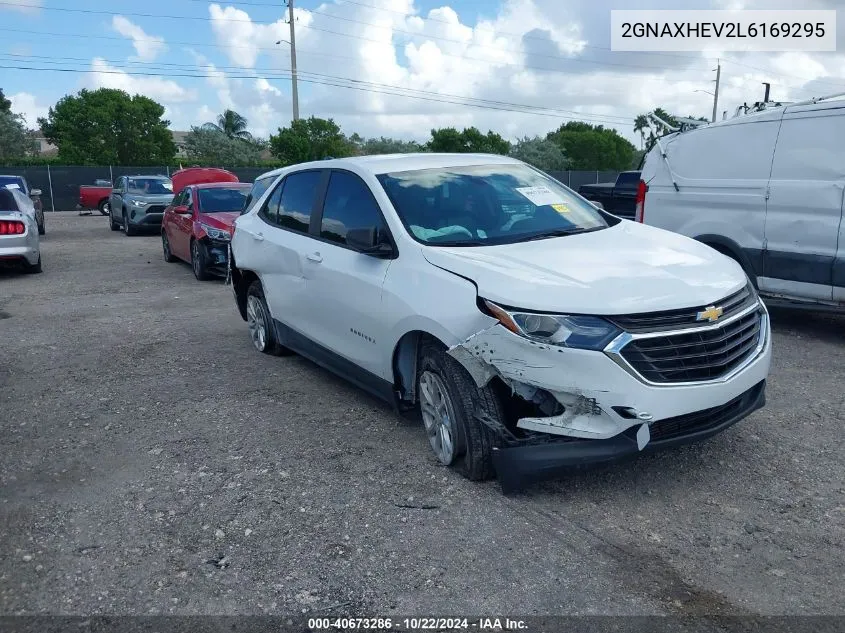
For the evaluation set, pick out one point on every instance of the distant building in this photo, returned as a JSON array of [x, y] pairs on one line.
[[43, 146], [179, 141]]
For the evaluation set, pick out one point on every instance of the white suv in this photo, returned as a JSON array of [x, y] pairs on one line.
[[534, 331]]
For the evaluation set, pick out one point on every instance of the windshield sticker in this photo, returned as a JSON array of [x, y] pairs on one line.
[[13, 185], [167, 185], [540, 196], [560, 208]]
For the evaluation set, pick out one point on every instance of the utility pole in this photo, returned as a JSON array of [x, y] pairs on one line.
[[294, 91], [716, 92]]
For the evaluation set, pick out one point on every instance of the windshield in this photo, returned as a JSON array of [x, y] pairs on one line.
[[149, 186], [487, 204], [16, 182], [218, 200]]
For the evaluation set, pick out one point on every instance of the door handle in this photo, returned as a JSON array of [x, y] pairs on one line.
[[314, 257], [258, 237]]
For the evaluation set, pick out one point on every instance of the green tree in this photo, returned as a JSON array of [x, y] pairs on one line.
[[5, 104], [384, 145], [448, 139], [15, 141], [540, 152], [641, 125], [232, 124], [107, 126], [593, 146], [212, 146], [310, 139]]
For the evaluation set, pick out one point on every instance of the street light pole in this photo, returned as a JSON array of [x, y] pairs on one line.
[[294, 90]]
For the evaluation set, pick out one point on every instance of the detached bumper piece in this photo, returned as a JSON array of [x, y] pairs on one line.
[[519, 465], [217, 256]]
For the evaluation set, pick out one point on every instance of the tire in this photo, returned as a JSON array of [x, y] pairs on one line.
[[258, 316], [165, 247], [42, 230], [114, 225], [472, 440], [199, 261], [128, 229], [104, 207], [33, 269]]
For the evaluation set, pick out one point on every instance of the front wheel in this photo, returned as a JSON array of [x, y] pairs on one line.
[[128, 229], [165, 246], [104, 207], [260, 323], [450, 403], [42, 229], [199, 261]]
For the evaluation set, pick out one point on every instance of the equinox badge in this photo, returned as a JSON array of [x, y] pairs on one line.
[[709, 314]]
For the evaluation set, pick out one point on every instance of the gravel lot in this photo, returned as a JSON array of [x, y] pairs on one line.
[[153, 462]]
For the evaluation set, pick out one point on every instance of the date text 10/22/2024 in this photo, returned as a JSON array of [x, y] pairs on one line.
[[416, 624]]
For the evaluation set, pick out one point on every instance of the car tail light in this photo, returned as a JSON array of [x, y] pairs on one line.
[[642, 188], [12, 227]]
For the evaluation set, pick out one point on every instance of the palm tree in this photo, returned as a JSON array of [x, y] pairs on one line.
[[231, 124], [641, 125]]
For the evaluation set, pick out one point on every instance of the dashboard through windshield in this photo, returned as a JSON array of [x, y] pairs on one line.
[[487, 205]]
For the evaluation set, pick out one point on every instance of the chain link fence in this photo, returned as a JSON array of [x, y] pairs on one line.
[[59, 184]]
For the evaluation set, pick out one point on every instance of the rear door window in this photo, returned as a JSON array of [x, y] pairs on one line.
[[297, 201]]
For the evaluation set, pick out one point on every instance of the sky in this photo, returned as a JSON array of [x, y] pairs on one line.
[[394, 68]]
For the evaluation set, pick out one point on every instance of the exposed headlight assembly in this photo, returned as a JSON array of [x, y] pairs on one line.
[[137, 203], [216, 234], [564, 330]]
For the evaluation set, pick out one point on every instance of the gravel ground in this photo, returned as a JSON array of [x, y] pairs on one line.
[[153, 462]]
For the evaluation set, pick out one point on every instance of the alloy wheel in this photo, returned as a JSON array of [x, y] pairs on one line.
[[438, 417], [256, 321]]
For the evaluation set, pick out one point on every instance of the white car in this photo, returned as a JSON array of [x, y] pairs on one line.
[[534, 331], [766, 189], [19, 241]]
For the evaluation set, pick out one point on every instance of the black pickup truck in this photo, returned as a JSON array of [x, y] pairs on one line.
[[618, 198]]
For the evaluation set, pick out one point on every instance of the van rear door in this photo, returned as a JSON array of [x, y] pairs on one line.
[[804, 204]]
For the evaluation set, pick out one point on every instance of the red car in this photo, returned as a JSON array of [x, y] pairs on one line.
[[197, 226]]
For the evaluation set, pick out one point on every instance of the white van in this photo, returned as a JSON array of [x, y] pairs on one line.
[[765, 189]]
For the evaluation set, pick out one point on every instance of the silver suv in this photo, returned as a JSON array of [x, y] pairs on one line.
[[138, 203]]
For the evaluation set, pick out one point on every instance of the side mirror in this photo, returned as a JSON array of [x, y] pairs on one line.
[[182, 210], [35, 192], [370, 241]]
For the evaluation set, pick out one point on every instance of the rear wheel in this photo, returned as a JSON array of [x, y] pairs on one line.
[[104, 207], [165, 246], [42, 228], [450, 402], [260, 323]]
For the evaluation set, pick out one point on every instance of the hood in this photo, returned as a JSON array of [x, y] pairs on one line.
[[625, 269], [221, 220], [158, 198]]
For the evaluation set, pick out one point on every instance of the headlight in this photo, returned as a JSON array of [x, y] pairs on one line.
[[137, 203], [216, 234], [578, 331]]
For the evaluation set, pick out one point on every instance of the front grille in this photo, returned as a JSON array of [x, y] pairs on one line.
[[685, 317], [681, 425], [156, 209], [695, 356]]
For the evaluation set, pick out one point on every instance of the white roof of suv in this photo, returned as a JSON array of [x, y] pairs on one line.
[[385, 163]]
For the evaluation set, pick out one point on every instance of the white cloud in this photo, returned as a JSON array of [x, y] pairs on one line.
[[165, 91], [24, 6], [27, 104], [533, 52], [148, 47]]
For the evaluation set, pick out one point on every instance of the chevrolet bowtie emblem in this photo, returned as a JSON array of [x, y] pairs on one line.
[[709, 314]]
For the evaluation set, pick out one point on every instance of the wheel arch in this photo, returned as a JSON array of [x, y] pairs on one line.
[[730, 248], [241, 281], [405, 361]]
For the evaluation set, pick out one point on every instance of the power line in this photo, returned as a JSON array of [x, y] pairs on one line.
[[335, 83], [270, 73]]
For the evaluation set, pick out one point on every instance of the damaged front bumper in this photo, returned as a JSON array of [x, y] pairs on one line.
[[609, 412], [519, 464]]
